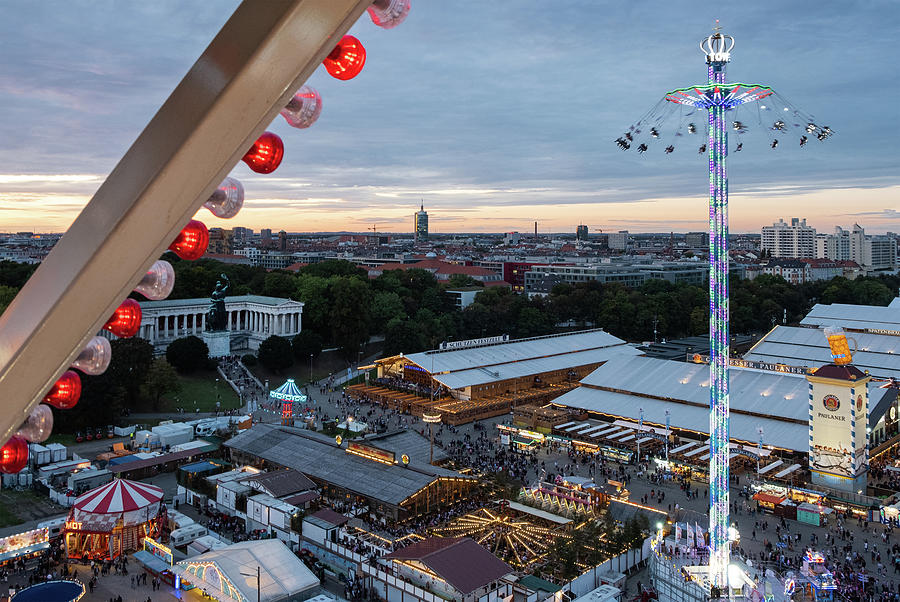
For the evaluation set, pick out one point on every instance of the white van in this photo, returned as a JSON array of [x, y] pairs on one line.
[[54, 526], [205, 429], [185, 535]]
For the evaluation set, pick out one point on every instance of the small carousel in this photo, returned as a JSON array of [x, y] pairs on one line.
[[292, 400], [112, 520]]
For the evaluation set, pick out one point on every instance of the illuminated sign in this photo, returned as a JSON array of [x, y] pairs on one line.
[[24, 540], [894, 333], [72, 525], [767, 366], [159, 550], [473, 342], [371, 453], [831, 403]]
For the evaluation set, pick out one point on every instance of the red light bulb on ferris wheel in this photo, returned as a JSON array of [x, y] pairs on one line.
[[126, 321], [388, 14], [191, 242], [304, 108], [13, 455], [266, 153], [228, 198], [65, 392], [347, 59]]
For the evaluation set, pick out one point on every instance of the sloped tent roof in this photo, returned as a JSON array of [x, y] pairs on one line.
[[118, 496], [855, 316], [317, 456], [468, 366], [288, 392], [805, 346], [776, 401], [459, 561], [282, 575]]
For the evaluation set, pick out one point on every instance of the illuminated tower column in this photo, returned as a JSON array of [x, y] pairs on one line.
[[717, 56]]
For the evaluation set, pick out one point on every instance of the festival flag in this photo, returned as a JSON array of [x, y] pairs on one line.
[[690, 534], [700, 539], [677, 533]]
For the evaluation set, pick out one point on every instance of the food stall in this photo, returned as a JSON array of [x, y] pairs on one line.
[[767, 501]]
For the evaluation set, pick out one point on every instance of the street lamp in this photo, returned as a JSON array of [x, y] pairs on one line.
[[640, 433], [258, 586], [310, 366], [431, 420], [667, 439], [659, 530]]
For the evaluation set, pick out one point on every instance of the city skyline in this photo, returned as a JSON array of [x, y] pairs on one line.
[[478, 111]]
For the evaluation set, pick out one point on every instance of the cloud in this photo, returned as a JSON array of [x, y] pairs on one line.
[[884, 214], [490, 115]]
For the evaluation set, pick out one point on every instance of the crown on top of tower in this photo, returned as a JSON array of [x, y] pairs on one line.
[[717, 47]]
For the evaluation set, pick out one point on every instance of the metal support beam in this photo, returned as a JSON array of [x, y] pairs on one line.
[[262, 55]]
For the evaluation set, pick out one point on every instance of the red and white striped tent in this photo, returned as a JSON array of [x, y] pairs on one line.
[[118, 496], [113, 519]]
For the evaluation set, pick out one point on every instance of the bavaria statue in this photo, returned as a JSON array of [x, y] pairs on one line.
[[217, 317]]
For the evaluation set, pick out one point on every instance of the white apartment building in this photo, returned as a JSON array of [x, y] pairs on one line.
[[790, 241], [873, 253], [618, 240]]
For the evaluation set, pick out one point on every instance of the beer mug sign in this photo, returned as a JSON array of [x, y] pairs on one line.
[[840, 347]]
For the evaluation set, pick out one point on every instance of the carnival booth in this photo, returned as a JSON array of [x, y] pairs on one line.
[[111, 520], [291, 400]]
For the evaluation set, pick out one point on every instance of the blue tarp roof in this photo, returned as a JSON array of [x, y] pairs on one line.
[[201, 466], [122, 459]]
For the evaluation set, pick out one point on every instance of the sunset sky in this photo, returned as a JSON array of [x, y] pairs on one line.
[[495, 114]]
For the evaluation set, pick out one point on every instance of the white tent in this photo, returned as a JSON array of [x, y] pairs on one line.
[[229, 574]]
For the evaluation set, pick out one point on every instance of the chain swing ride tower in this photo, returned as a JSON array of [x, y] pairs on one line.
[[721, 101]]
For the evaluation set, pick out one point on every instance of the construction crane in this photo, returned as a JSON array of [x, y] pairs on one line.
[[374, 230]]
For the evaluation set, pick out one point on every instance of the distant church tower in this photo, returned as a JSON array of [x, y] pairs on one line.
[[420, 224]]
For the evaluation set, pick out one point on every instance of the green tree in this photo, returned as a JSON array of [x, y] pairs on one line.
[[161, 380], [188, 354], [275, 354], [533, 322], [130, 363], [279, 284], [101, 403], [7, 294], [334, 267], [403, 336], [386, 305], [462, 281], [15, 274], [313, 291], [699, 320], [306, 343], [350, 315]]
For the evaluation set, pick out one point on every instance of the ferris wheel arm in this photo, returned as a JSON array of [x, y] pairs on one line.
[[247, 74]]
